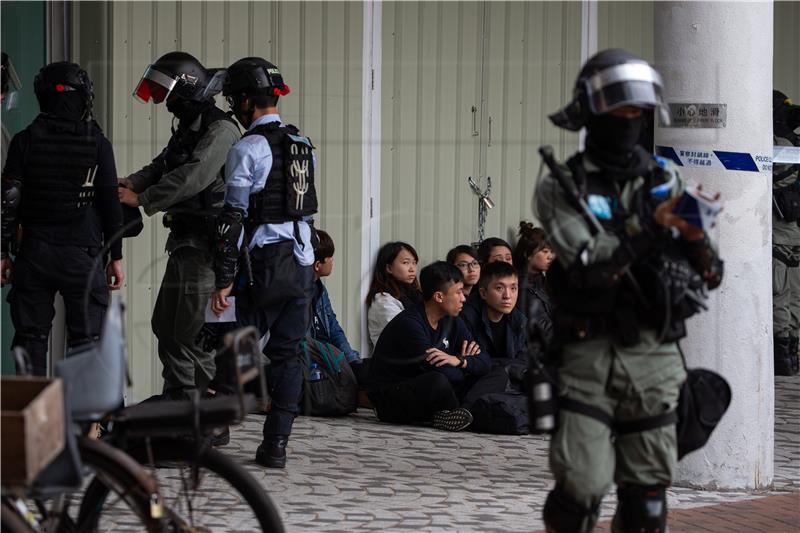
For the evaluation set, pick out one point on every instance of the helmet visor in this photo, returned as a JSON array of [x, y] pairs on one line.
[[630, 84], [154, 86], [11, 86]]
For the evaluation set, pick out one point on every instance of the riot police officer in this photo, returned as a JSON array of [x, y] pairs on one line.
[[269, 202], [785, 239], [59, 194], [186, 182], [628, 273]]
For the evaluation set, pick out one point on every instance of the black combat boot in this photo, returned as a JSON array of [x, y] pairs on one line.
[[272, 452], [793, 355], [783, 359]]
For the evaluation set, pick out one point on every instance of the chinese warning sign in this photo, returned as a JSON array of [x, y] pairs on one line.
[[698, 115]]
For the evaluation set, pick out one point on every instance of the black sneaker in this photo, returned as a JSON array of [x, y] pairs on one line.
[[454, 420]]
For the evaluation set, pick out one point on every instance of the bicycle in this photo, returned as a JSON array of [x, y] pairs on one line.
[[173, 438], [47, 504]]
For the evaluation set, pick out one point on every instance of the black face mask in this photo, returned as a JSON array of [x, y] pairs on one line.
[[69, 106], [610, 135], [186, 111]]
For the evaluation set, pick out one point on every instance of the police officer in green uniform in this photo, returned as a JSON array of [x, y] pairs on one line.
[[186, 182], [629, 272], [786, 239]]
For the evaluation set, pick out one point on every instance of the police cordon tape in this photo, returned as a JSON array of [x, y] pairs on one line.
[[686, 157], [706, 158], [786, 154]]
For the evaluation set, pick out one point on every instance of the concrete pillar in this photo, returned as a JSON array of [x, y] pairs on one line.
[[721, 52]]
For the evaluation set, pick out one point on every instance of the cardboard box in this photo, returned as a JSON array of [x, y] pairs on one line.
[[32, 430]]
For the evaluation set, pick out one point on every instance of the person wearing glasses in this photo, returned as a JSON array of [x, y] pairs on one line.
[[186, 183], [465, 258]]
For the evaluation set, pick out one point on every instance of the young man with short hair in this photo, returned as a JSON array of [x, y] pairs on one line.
[[496, 324], [425, 359]]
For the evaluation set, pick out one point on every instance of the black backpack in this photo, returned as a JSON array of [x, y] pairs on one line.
[[501, 413], [332, 389]]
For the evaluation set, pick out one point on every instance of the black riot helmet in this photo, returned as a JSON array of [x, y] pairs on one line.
[[254, 75], [179, 74], [611, 79], [252, 78], [64, 88], [785, 116]]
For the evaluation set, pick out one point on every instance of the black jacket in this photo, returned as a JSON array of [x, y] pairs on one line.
[[401, 348], [478, 323]]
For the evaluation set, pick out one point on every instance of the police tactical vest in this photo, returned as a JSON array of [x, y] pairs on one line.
[[621, 309], [289, 194], [60, 168], [208, 202]]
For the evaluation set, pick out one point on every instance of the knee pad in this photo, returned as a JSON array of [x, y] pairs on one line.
[[562, 514], [642, 509]]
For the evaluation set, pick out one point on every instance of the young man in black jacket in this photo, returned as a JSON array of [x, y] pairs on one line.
[[425, 359], [499, 328], [495, 323]]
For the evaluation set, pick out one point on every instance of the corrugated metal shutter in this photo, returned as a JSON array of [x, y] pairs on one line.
[[317, 45], [448, 68]]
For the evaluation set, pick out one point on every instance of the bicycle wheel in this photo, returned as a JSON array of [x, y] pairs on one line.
[[226, 497], [11, 521], [122, 495]]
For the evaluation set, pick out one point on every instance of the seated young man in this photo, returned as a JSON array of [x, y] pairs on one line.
[[495, 323], [425, 359]]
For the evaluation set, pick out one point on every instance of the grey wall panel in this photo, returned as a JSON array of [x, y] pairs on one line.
[[514, 62], [431, 82], [533, 57], [318, 46], [627, 25], [786, 54]]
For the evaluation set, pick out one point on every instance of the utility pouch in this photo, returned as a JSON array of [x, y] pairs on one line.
[[705, 396]]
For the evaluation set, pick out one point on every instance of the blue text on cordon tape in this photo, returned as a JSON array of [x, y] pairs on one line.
[[718, 159]]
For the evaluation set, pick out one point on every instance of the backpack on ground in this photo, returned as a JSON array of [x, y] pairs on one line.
[[501, 413], [329, 385]]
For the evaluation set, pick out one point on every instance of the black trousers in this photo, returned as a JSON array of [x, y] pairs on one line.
[[279, 303], [42, 269], [415, 400]]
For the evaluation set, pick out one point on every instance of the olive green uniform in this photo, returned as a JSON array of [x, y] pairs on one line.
[[188, 282], [785, 268], [627, 383]]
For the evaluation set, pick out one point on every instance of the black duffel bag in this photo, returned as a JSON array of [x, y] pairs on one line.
[[501, 413], [705, 396]]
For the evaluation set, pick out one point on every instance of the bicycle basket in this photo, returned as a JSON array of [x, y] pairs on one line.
[[96, 375]]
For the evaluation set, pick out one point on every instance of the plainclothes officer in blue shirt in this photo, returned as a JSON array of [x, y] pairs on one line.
[[264, 253]]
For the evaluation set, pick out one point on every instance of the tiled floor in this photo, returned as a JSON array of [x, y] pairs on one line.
[[357, 474]]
